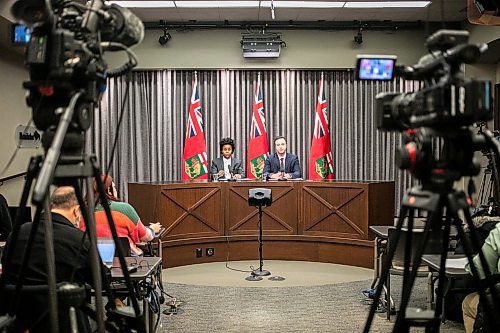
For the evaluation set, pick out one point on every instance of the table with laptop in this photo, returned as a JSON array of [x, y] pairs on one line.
[[139, 268]]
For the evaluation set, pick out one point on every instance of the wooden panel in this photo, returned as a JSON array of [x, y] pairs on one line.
[[337, 210], [191, 210], [143, 198], [314, 221], [278, 219]]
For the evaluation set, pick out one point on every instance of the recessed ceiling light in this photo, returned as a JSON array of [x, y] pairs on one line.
[[387, 4]]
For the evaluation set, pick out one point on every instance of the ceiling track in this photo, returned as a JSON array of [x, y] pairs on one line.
[[298, 25]]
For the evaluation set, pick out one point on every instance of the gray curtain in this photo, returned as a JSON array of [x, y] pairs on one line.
[[151, 137]]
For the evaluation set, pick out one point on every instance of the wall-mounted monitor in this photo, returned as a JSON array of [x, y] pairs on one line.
[[369, 67]]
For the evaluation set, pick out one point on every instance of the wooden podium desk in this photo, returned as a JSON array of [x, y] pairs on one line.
[[324, 221]]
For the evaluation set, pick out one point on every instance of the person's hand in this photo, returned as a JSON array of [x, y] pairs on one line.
[[276, 175], [220, 173], [237, 176], [155, 226], [288, 176]]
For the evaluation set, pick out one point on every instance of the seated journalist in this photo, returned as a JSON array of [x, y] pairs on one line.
[[127, 222], [282, 165], [491, 251], [72, 260], [226, 166]]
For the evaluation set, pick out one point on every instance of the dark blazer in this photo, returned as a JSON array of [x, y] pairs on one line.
[[292, 165], [70, 250], [218, 164], [5, 220]]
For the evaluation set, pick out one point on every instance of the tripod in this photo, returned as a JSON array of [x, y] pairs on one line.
[[67, 168], [438, 201], [259, 273]]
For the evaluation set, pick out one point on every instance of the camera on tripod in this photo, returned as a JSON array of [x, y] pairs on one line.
[[65, 56], [447, 99], [440, 113]]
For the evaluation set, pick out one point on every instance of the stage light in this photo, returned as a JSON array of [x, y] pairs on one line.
[[163, 40], [358, 38]]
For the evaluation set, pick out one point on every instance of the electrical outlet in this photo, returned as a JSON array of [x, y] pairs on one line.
[[199, 252], [210, 251]]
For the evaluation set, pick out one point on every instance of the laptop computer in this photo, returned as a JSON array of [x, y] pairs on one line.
[[106, 248]]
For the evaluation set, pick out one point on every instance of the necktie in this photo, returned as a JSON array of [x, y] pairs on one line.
[[282, 165]]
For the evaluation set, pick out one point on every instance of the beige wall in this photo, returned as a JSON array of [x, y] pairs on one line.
[[216, 49], [14, 112]]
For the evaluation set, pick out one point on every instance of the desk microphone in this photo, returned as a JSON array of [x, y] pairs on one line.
[[282, 170], [230, 168]]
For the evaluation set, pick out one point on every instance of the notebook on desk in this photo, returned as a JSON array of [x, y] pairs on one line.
[[106, 248]]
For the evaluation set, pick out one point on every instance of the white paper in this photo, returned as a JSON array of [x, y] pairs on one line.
[[457, 263]]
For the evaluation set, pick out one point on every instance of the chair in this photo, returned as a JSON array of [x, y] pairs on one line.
[[124, 244], [33, 311], [434, 246]]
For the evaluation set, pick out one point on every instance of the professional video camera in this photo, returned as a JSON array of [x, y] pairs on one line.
[[440, 112], [65, 56], [67, 79], [439, 149]]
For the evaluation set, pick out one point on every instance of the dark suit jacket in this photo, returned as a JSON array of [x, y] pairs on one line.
[[292, 165], [70, 250], [218, 164]]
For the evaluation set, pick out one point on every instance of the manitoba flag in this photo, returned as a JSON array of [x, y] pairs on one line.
[[320, 159], [195, 148], [258, 148]]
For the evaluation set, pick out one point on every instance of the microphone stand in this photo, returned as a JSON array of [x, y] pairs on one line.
[[259, 273]]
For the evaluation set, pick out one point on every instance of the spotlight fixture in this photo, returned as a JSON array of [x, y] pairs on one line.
[[358, 38], [163, 40]]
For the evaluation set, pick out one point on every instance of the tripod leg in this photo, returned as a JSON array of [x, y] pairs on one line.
[[491, 306], [88, 217], [51, 268], [385, 272], [401, 325], [121, 257]]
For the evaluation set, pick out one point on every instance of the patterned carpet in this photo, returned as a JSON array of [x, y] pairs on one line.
[[328, 308]]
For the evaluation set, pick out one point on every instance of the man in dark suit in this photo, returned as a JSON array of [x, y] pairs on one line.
[[227, 166], [282, 165]]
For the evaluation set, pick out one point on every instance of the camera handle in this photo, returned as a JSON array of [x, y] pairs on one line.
[[436, 204]]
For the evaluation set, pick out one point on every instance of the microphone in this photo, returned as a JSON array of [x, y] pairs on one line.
[[282, 170]]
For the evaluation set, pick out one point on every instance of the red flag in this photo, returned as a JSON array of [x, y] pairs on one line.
[[320, 160], [258, 148], [195, 147]]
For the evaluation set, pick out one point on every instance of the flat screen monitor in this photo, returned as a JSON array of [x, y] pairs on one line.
[[21, 34], [379, 68]]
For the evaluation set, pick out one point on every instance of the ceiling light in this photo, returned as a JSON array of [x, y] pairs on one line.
[[303, 4], [143, 4], [358, 38], [163, 40], [387, 4]]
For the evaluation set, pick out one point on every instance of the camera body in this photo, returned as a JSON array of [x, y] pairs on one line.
[[439, 143], [64, 56], [456, 103]]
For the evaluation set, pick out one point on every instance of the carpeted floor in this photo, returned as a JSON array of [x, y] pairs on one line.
[[337, 307]]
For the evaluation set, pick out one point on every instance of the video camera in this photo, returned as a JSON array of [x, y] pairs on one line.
[[438, 115], [447, 99], [65, 56]]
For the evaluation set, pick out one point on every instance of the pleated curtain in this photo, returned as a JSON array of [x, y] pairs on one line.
[[151, 137]]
